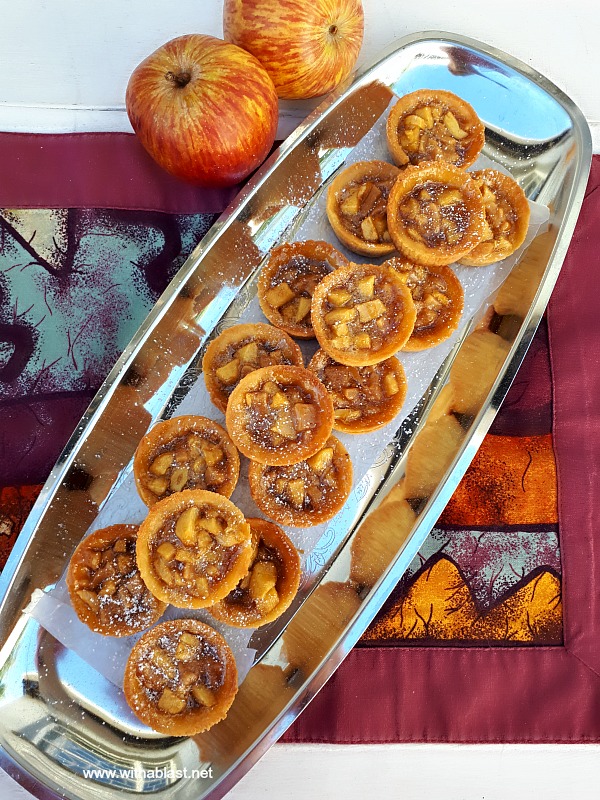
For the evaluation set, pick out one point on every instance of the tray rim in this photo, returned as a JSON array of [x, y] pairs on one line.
[[455, 471]]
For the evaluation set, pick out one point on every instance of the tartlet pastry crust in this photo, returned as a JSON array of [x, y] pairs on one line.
[[187, 452], [287, 281], [435, 214], [439, 300], [180, 678], [356, 207], [364, 398], [105, 585], [307, 493], [506, 214], [362, 314], [430, 124], [279, 415], [193, 548]]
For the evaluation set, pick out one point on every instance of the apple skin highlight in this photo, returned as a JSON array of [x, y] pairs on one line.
[[307, 48], [204, 109]]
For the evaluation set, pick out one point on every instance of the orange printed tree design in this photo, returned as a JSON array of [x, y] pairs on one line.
[[510, 489]]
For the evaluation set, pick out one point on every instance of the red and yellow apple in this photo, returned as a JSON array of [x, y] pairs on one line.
[[306, 46], [204, 109]]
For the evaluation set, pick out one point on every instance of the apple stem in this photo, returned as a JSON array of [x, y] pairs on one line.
[[333, 29], [180, 79]]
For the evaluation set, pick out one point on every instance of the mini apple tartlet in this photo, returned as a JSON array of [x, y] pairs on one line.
[[364, 398], [193, 548], [187, 452], [307, 493], [105, 585], [438, 297], [356, 207], [435, 214], [362, 314], [271, 583], [429, 124], [180, 678], [287, 282], [506, 215], [240, 350], [279, 415]]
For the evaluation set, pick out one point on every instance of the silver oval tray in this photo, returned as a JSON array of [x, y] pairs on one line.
[[60, 718]]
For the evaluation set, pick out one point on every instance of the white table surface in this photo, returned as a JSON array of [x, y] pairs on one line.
[[64, 67]]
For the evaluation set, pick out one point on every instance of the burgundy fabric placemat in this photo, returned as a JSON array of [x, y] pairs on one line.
[[401, 693], [95, 170]]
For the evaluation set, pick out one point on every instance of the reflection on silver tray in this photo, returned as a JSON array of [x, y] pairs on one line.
[[59, 717]]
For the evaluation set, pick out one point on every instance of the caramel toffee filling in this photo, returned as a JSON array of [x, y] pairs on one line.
[[361, 394], [108, 583], [180, 673], [195, 549], [435, 214], [191, 461], [243, 357], [433, 131], [362, 206]]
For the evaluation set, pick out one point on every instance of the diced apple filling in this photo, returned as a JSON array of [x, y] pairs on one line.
[[338, 297], [305, 416], [451, 123], [262, 579], [166, 550], [340, 315], [279, 400], [229, 373], [279, 295], [321, 461], [369, 231], [157, 486], [248, 354], [366, 286], [213, 453], [370, 310], [346, 414], [164, 663], [185, 527], [302, 309], [231, 536], [284, 425], [295, 492], [390, 384], [203, 695], [187, 647], [170, 703], [161, 464], [426, 115], [178, 479]]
